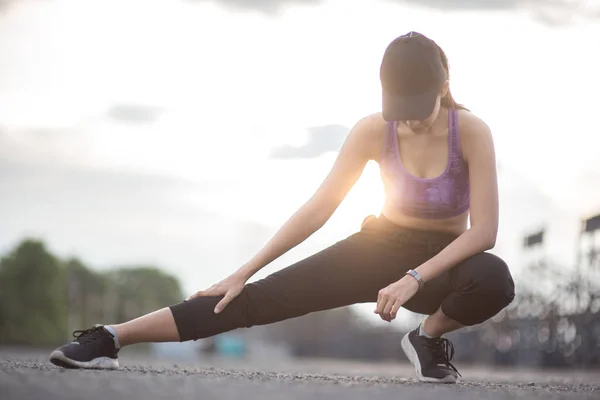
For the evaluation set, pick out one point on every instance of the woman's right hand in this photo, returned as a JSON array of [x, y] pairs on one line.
[[229, 287]]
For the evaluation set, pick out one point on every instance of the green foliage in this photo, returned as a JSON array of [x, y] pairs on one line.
[[140, 290], [43, 299], [32, 296]]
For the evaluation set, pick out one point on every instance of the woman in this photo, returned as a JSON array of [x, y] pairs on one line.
[[437, 163]]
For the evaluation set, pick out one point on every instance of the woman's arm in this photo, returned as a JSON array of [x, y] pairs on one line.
[[349, 165], [478, 151]]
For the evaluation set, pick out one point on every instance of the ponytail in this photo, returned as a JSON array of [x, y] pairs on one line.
[[448, 101]]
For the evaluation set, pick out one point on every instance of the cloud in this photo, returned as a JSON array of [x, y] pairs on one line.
[[321, 140], [39, 165], [39, 189], [134, 113], [546, 11], [4, 4], [464, 5], [83, 190], [113, 216], [45, 147], [266, 6], [551, 12]]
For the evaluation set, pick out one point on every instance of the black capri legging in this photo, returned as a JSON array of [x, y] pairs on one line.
[[353, 271]]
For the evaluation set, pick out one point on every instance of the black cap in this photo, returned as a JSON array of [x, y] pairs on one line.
[[411, 75]]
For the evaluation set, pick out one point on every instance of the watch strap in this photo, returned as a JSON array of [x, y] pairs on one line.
[[416, 275]]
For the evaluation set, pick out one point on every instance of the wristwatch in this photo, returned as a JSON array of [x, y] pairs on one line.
[[416, 275]]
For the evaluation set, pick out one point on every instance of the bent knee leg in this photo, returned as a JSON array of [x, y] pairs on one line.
[[482, 286]]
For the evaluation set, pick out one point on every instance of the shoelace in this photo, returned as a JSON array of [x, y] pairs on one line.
[[443, 351], [86, 336]]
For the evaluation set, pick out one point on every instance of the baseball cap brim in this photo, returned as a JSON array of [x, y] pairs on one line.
[[404, 108]]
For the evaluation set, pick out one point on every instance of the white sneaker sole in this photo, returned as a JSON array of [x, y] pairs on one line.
[[411, 353], [58, 358]]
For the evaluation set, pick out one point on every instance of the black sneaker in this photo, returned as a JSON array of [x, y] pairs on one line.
[[92, 348], [430, 357]]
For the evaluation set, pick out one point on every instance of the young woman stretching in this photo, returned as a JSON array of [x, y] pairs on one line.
[[438, 167]]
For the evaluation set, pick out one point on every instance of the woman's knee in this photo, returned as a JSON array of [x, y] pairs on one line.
[[488, 275], [196, 319], [257, 304], [482, 287]]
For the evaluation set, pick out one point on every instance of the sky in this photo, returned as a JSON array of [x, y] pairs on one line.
[[183, 133]]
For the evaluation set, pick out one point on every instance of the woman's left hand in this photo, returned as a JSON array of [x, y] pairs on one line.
[[391, 298]]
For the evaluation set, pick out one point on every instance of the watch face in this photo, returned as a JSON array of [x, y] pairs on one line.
[[415, 275]]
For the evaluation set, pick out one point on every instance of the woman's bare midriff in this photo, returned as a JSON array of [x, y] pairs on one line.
[[455, 225]]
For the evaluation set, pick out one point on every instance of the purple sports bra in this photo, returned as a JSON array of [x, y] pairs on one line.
[[444, 196]]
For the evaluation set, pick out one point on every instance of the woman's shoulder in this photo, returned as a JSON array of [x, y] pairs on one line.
[[470, 124], [372, 122], [370, 131], [474, 132], [370, 127]]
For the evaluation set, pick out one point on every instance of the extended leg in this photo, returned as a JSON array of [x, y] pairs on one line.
[[351, 271], [158, 326]]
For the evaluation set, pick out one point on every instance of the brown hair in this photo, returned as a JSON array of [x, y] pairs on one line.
[[448, 101]]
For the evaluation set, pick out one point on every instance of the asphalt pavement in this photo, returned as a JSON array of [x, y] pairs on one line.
[[28, 375]]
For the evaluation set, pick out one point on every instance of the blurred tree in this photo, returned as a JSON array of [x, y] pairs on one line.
[[85, 290], [134, 291], [33, 299], [42, 300]]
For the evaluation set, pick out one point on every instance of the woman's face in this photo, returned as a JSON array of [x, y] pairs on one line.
[[423, 126]]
